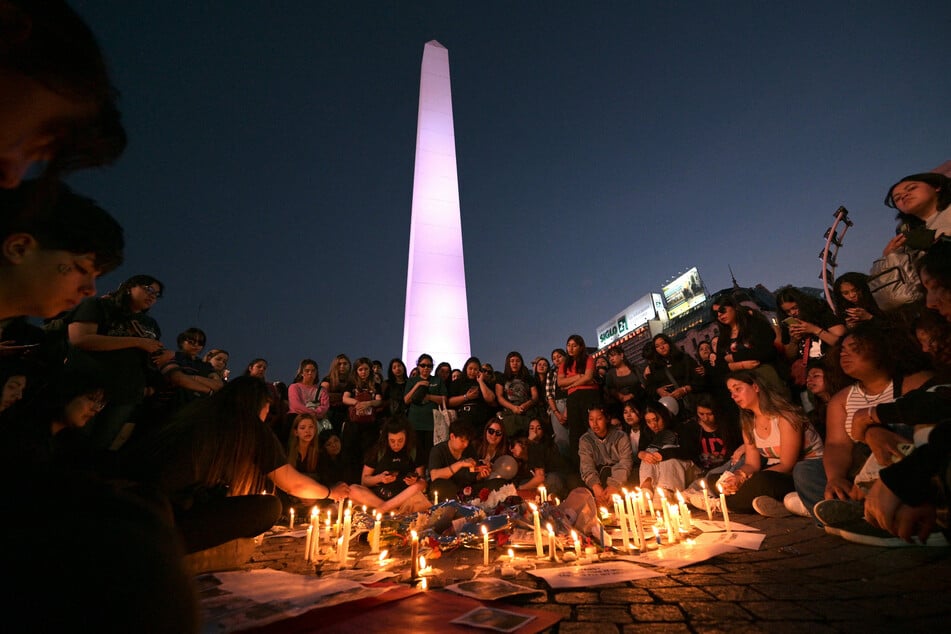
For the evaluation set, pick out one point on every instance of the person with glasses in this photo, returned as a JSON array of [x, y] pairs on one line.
[[187, 377], [496, 466], [116, 337], [48, 431], [472, 397], [424, 393]]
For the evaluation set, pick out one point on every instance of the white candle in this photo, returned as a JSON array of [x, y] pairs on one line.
[[511, 555], [539, 549], [577, 543], [345, 544], [723, 509], [290, 524], [310, 535], [414, 555], [632, 517], [673, 528], [375, 533], [485, 546], [684, 511], [542, 494], [706, 499], [619, 513], [339, 512], [650, 502], [551, 542], [330, 541], [435, 498]]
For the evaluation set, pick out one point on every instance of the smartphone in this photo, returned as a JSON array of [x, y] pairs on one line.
[[919, 238], [791, 321]]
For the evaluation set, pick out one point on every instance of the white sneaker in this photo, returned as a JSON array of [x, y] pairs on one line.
[[769, 507], [794, 505]]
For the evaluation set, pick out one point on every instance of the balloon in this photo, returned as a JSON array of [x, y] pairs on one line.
[[671, 404], [505, 467]]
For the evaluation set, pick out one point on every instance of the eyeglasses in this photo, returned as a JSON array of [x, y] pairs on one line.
[[722, 309], [151, 291], [195, 342], [486, 369], [492, 431], [425, 365]]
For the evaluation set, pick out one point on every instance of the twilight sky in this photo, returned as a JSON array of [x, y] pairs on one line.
[[602, 150]]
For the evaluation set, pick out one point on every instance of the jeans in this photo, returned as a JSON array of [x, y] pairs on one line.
[[809, 477]]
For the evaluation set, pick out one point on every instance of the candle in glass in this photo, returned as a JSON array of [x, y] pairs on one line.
[[723, 509], [539, 551], [485, 546]]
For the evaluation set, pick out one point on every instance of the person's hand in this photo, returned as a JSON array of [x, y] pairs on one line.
[[884, 444], [151, 346], [738, 454], [471, 393], [700, 370], [340, 491], [162, 357], [410, 479], [885, 510], [894, 244], [730, 484], [802, 328], [838, 489], [562, 417], [751, 364], [386, 477]]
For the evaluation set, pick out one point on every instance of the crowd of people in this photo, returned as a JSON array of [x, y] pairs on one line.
[[840, 411]]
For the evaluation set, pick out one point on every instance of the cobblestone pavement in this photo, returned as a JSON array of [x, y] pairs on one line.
[[801, 579]]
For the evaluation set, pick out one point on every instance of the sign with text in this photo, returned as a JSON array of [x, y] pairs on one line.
[[634, 316], [684, 293]]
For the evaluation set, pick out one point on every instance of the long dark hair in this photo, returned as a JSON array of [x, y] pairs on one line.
[[121, 296], [580, 363], [523, 372], [223, 435], [293, 444], [866, 300]]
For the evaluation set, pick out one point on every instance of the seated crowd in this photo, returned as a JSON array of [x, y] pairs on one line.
[[838, 412]]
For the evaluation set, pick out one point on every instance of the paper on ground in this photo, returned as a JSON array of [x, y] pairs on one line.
[[593, 575]]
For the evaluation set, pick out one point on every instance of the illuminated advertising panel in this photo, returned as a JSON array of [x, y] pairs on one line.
[[634, 316], [684, 293]]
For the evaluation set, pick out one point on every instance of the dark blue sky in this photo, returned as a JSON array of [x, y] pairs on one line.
[[602, 150]]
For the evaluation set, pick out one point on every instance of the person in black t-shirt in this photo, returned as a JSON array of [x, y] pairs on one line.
[[391, 473]]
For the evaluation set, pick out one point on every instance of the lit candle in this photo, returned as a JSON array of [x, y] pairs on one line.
[[414, 555], [684, 511], [435, 498], [673, 528], [290, 524], [383, 558], [551, 542], [539, 549], [650, 502], [345, 544], [339, 512], [577, 542], [619, 513], [422, 565], [310, 535], [542, 494], [330, 541], [511, 555], [656, 535], [557, 501], [631, 516], [666, 509], [375, 533], [723, 509], [706, 499], [485, 546]]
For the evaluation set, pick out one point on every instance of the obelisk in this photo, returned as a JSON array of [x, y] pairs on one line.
[[436, 320]]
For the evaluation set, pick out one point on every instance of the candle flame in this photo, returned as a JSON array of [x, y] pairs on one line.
[[383, 555], [533, 507], [422, 562], [485, 531]]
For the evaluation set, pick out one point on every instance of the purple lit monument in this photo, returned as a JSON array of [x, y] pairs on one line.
[[437, 317]]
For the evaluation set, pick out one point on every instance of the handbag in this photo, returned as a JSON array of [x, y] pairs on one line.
[[894, 282], [442, 418], [361, 396]]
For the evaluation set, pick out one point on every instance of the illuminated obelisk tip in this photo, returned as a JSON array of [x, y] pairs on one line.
[[436, 320]]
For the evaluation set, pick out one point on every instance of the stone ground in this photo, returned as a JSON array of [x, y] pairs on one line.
[[801, 579]]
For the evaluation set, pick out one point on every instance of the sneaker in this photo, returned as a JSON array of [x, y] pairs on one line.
[[794, 505], [835, 512], [769, 507], [861, 532]]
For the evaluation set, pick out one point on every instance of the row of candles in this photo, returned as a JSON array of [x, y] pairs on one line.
[[338, 541]]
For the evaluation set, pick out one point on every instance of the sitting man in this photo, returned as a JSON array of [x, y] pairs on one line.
[[605, 457], [452, 463]]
